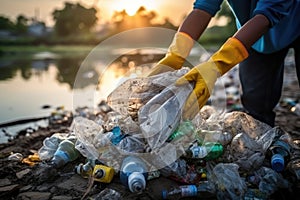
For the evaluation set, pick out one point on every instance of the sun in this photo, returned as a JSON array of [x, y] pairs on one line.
[[131, 6]]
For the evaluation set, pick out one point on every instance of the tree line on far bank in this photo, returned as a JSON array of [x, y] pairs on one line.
[[76, 24]]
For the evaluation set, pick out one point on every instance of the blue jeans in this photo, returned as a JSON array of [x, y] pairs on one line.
[[261, 77]]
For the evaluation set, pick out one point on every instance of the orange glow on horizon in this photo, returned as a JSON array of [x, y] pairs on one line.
[[131, 6]]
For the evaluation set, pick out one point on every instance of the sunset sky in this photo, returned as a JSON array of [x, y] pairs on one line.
[[174, 10]]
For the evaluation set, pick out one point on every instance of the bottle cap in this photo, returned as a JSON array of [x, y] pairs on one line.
[[99, 173], [136, 182], [277, 162]]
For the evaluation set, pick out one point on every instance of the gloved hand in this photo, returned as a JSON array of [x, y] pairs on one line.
[[205, 75], [177, 52]]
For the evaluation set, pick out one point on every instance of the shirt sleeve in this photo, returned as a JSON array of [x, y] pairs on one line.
[[210, 6], [274, 10]]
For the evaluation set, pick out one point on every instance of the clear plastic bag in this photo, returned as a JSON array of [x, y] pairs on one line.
[[227, 181], [131, 95]]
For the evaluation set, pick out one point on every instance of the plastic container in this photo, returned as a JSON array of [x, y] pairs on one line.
[[208, 151], [103, 173], [133, 174], [281, 152], [65, 153]]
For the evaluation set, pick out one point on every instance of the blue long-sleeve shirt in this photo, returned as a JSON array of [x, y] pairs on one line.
[[284, 17]]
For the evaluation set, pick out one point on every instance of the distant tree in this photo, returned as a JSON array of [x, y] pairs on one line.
[[142, 18], [21, 24], [6, 23], [74, 19]]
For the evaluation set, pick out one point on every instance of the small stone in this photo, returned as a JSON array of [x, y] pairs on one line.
[[8, 188], [74, 183], [34, 195], [61, 198], [22, 173], [4, 182], [26, 188]]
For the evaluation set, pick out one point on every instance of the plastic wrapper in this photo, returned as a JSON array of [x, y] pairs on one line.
[[247, 152], [227, 181], [160, 117], [131, 144], [268, 180]]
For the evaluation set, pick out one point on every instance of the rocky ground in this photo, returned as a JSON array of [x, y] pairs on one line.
[[22, 181]]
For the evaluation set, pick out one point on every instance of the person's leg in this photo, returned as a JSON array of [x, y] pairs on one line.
[[296, 46], [261, 77]]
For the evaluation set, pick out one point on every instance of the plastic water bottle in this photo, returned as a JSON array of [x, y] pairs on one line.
[[281, 152], [103, 173], [133, 174], [184, 128], [50, 145], [65, 153], [203, 190], [207, 151]]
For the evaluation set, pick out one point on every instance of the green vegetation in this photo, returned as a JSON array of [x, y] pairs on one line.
[[74, 30]]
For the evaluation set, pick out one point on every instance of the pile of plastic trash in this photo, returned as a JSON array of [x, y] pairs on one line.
[[140, 135]]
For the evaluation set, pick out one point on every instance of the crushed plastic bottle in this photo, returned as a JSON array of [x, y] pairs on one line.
[[207, 151], [161, 115], [65, 153], [50, 145], [109, 194], [202, 190], [133, 174]]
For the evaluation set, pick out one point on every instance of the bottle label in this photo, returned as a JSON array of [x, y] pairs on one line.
[[199, 152], [188, 190]]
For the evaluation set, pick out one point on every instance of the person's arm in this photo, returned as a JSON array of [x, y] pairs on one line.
[[183, 41], [232, 52], [252, 30], [195, 23]]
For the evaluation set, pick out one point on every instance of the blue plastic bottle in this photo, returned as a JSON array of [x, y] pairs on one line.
[[133, 174], [281, 152]]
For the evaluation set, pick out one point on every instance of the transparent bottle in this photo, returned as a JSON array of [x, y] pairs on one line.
[[207, 151], [203, 190], [65, 153], [133, 174]]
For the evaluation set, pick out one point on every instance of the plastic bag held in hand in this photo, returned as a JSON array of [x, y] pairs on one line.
[[205, 75]]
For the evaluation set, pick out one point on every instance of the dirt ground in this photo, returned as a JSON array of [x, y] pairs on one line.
[[21, 181]]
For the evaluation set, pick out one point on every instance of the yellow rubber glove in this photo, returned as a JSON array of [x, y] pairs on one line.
[[177, 52], [205, 75]]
